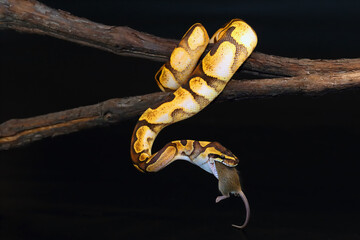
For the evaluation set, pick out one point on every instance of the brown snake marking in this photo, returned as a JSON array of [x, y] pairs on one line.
[[194, 86]]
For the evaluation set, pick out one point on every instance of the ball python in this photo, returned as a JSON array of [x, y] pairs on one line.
[[194, 86]]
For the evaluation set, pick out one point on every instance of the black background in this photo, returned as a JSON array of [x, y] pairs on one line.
[[299, 154]]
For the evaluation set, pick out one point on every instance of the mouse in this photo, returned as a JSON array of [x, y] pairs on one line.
[[229, 183]]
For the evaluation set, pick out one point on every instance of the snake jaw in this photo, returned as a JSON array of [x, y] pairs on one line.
[[229, 160], [221, 154]]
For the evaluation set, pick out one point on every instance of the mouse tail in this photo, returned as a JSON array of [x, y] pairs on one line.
[[247, 207]]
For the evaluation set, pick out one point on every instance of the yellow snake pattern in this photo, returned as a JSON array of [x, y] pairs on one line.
[[194, 86]]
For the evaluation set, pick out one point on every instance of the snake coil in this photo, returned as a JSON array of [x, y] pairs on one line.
[[194, 86]]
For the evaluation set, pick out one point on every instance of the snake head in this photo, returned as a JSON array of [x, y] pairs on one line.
[[223, 155]]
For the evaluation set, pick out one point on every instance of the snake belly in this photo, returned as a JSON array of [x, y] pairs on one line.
[[194, 86]]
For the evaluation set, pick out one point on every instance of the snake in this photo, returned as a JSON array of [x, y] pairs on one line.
[[194, 83]]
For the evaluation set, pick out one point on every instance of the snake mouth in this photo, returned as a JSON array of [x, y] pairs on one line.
[[230, 162], [227, 161]]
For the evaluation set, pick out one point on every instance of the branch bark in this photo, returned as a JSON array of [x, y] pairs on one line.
[[33, 17], [18, 132], [295, 76]]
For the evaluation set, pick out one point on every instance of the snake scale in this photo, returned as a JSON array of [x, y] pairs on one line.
[[194, 86]]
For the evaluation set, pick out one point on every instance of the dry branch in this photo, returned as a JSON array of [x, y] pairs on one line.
[[18, 132], [303, 75], [33, 17]]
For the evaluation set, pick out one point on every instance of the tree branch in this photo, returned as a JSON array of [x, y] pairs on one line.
[[18, 132], [296, 76], [33, 17]]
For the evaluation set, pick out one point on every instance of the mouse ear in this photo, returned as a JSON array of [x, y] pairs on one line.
[[247, 207]]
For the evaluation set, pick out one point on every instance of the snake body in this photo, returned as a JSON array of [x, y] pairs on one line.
[[194, 86], [193, 90]]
